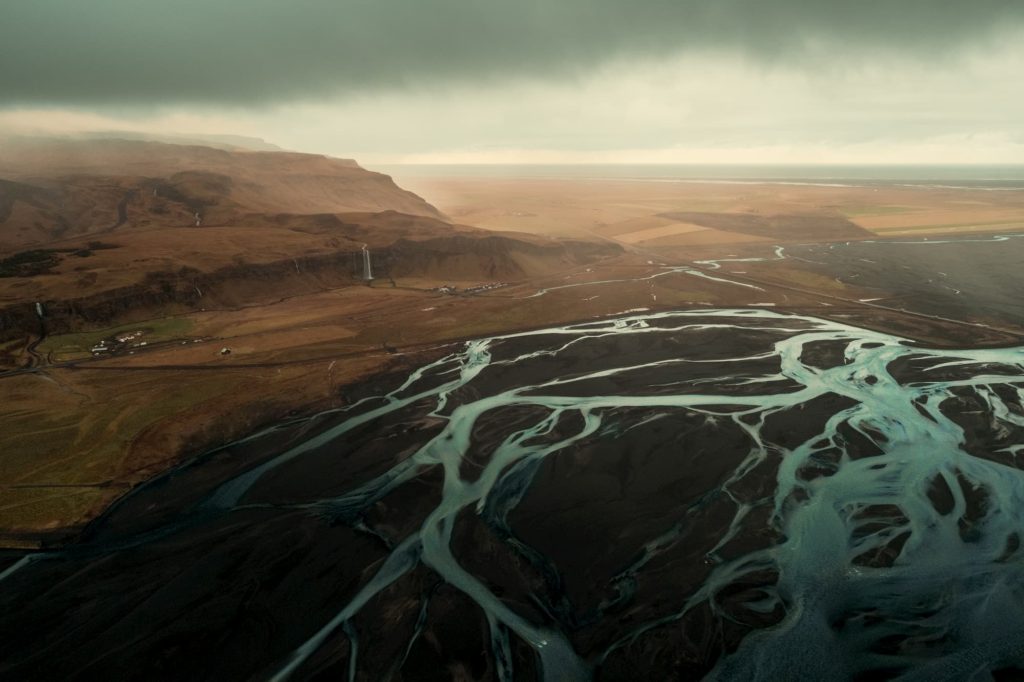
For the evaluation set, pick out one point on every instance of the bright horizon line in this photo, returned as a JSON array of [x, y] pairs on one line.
[[765, 164]]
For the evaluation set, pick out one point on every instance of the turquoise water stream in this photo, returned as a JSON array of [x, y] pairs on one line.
[[954, 576]]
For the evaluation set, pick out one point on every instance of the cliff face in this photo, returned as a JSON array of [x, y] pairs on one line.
[[55, 190], [184, 290], [457, 258]]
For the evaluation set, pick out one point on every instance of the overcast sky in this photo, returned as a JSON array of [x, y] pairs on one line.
[[547, 81]]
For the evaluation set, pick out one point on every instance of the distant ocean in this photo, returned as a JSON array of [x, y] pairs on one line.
[[974, 177]]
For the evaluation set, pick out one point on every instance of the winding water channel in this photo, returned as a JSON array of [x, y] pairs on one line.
[[739, 494]]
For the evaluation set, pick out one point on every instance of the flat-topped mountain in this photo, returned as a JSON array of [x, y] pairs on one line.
[[54, 190]]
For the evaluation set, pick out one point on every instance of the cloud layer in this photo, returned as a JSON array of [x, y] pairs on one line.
[[221, 52]]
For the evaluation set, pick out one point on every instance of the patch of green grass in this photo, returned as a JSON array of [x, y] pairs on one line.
[[29, 263], [42, 509], [81, 342], [42, 261], [87, 443]]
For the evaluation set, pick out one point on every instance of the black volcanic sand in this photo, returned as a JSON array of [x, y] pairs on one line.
[[974, 278], [643, 535]]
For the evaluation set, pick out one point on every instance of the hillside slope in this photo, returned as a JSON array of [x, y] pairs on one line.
[[54, 190]]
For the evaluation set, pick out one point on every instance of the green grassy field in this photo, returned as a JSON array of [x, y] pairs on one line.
[[79, 344]]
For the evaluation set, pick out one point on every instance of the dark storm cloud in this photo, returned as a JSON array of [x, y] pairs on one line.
[[245, 51]]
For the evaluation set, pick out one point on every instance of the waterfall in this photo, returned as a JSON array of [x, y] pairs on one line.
[[367, 268]]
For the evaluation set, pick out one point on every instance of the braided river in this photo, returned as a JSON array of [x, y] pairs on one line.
[[738, 494]]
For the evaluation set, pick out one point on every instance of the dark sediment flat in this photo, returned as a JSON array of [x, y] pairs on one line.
[[663, 497], [971, 278]]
